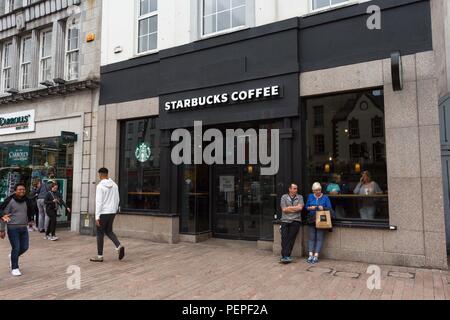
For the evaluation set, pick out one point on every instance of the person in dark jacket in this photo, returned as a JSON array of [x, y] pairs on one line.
[[42, 191], [53, 200], [16, 212]]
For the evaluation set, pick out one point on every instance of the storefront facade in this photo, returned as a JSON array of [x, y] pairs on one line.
[[336, 108], [49, 92]]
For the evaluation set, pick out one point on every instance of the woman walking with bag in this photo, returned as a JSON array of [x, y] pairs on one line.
[[53, 200], [317, 201]]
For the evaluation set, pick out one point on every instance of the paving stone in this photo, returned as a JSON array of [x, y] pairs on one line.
[[404, 275], [344, 274], [319, 270]]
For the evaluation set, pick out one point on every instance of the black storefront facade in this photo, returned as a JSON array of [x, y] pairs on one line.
[[266, 78]]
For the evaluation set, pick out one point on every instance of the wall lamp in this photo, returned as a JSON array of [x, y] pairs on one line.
[[397, 71], [59, 81], [12, 91]]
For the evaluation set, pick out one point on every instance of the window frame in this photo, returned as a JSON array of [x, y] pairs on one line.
[[331, 6], [9, 6], [41, 57], [218, 33], [22, 63], [137, 20], [9, 68], [68, 52]]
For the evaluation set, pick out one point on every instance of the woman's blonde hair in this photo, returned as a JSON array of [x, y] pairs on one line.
[[316, 186]]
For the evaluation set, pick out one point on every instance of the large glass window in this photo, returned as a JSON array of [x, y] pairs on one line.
[[139, 165], [346, 157], [322, 4], [40, 159], [221, 15], [147, 25]]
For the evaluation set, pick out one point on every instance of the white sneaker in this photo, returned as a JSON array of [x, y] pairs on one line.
[[16, 273], [54, 238], [47, 238]]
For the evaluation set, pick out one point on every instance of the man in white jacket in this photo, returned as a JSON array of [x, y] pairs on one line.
[[106, 206]]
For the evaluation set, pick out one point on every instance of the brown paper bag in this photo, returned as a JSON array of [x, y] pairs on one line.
[[323, 220]]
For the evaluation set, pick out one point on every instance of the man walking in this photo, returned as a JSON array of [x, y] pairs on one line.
[[16, 212], [106, 206], [291, 206]]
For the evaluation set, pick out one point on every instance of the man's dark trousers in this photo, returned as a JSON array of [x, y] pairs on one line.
[[289, 233]]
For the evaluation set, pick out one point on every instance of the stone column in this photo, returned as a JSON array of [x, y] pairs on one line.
[[58, 49], [34, 68]]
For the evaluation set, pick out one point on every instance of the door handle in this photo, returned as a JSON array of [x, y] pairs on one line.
[[239, 201]]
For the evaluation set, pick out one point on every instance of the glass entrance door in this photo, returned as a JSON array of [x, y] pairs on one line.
[[237, 206]]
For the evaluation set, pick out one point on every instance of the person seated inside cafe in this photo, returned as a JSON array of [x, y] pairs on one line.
[[367, 188]]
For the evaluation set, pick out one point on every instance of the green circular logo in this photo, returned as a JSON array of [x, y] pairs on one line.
[[143, 152]]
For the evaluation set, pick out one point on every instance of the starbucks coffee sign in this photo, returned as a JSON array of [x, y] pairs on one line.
[[18, 122], [143, 152]]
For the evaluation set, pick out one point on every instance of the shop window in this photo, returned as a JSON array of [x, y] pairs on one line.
[[147, 25], [319, 144], [72, 50], [25, 63], [324, 4], [29, 161], [318, 117], [45, 57], [223, 15], [139, 178], [346, 162], [6, 66], [377, 127]]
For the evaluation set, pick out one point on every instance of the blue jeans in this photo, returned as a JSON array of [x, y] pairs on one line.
[[19, 239], [315, 239]]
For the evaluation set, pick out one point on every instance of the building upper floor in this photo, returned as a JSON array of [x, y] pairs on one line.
[[48, 42], [143, 27]]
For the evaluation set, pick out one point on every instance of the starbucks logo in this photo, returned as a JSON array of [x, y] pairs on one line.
[[143, 152]]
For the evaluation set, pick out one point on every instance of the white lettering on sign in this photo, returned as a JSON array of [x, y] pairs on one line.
[[225, 98]]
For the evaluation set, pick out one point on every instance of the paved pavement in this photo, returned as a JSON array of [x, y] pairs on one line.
[[216, 269]]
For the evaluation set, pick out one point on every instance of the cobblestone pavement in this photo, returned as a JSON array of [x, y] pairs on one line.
[[216, 269]]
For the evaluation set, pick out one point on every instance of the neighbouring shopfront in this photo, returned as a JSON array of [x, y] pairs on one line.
[[339, 114], [36, 160]]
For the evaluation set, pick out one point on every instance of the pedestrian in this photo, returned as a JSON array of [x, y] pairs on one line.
[[106, 206], [16, 212], [53, 200], [317, 201], [291, 206], [42, 191], [33, 199]]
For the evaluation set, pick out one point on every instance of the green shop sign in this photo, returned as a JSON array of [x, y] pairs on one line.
[[18, 156]]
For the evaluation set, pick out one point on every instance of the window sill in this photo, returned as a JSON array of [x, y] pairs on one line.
[[356, 224], [146, 53], [221, 33], [148, 213]]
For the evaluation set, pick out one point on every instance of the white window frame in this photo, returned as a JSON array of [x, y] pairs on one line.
[[8, 68], [42, 58], [331, 6], [138, 19], [217, 33], [23, 63], [71, 25]]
